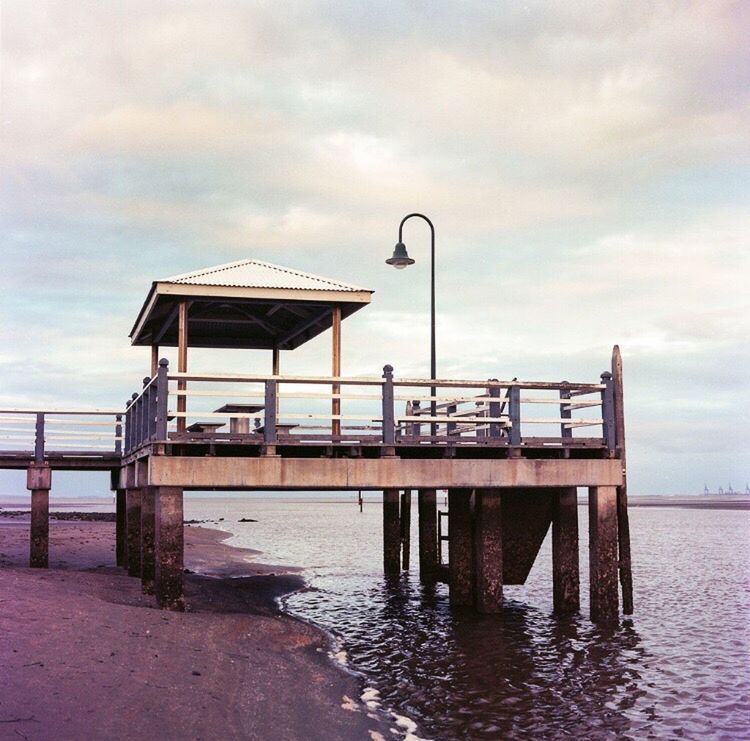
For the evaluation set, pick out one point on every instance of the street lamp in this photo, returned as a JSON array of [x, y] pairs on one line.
[[401, 260]]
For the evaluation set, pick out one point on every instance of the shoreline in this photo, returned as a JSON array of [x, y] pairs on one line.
[[84, 654]]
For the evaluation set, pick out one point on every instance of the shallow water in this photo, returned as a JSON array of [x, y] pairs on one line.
[[678, 669]]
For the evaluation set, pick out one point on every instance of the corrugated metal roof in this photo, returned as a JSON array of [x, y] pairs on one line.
[[259, 274]]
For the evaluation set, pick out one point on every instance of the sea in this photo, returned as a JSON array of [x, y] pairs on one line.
[[679, 668]]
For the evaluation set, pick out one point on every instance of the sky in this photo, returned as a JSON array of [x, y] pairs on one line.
[[585, 164]]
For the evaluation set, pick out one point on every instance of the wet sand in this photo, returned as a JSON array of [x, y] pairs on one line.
[[83, 654]]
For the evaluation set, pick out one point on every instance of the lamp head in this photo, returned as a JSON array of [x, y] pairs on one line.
[[400, 259]]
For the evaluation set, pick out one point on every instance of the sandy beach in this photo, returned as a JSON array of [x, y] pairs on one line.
[[83, 654]]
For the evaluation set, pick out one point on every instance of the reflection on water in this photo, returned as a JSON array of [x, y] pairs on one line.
[[678, 669]]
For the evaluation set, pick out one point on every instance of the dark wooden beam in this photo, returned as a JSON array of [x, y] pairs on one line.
[[296, 331], [158, 336]]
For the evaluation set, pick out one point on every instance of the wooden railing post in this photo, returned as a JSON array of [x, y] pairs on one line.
[[118, 434], [39, 439], [134, 421], [416, 428], [450, 427], [494, 393], [162, 399], [128, 428], [144, 409], [269, 428], [566, 431], [514, 414], [152, 410], [608, 412], [389, 431], [623, 521]]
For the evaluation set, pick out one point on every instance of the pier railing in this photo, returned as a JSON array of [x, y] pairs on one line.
[[60, 432], [280, 409]]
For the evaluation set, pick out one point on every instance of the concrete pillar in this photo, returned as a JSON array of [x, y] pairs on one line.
[[460, 547], [428, 541], [565, 570], [603, 554], [405, 528], [169, 542], [39, 482], [148, 528], [488, 550], [133, 522], [391, 533], [121, 542]]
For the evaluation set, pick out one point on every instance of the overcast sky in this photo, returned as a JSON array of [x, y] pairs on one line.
[[586, 166]]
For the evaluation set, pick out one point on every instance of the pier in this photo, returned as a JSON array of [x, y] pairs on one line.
[[510, 453]]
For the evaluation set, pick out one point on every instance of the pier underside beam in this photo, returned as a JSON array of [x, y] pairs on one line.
[[133, 528], [148, 535], [603, 554], [169, 547], [428, 540], [488, 550], [39, 482], [460, 547], [267, 473], [565, 565], [391, 533]]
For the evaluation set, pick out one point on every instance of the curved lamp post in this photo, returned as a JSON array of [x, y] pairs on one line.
[[401, 260]]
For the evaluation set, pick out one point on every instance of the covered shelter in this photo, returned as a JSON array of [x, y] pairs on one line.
[[246, 304]]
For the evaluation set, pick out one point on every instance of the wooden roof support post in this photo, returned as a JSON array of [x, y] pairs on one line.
[[623, 524], [154, 360], [336, 367], [275, 370], [182, 347]]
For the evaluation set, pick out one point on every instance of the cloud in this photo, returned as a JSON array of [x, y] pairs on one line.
[[586, 169]]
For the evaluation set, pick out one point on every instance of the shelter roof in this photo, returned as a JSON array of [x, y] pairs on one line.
[[245, 304]]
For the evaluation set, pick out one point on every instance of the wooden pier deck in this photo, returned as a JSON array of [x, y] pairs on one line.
[[485, 443]]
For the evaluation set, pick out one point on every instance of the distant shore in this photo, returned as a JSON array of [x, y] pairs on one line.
[[727, 501], [85, 655]]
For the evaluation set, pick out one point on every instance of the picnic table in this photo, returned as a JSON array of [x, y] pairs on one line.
[[240, 425]]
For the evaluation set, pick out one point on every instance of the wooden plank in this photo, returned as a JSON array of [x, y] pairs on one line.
[[538, 385], [227, 377], [80, 412]]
